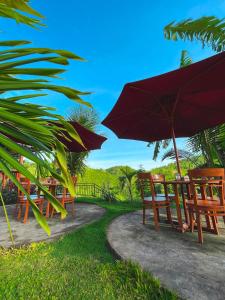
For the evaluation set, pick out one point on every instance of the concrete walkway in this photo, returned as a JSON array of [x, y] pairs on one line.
[[193, 271], [32, 232]]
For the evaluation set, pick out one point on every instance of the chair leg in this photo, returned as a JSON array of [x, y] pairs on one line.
[[47, 209], [16, 209], [200, 235], [156, 221], [157, 209], [73, 208], [143, 215], [41, 207], [19, 212], [26, 213], [192, 221], [52, 211], [215, 227], [169, 216], [63, 204], [208, 222]]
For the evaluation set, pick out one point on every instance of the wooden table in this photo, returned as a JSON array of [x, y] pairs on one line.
[[182, 226]]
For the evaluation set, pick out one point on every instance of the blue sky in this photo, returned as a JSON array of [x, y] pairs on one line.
[[122, 42]]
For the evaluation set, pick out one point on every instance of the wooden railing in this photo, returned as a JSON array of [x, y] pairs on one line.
[[88, 189]]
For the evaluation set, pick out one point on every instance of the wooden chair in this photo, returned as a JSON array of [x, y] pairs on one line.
[[65, 198], [158, 179], [23, 202], [207, 199], [150, 199]]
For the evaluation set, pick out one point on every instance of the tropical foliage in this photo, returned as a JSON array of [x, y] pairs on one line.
[[89, 119], [20, 11], [210, 31], [26, 128], [127, 180]]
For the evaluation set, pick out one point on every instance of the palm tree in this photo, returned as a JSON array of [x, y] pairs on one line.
[[28, 122], [89, 119], [126, 181]]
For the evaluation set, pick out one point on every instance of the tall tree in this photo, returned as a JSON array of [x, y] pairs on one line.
[[126, 181]]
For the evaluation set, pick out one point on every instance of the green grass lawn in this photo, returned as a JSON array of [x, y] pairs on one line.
[[77, 266]]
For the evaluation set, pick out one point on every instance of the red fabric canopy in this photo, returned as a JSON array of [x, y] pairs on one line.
[[91, 140], [187, 100]]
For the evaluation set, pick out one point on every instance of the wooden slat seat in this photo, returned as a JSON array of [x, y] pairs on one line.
[[147, 186], [209, 202], [23, 202], [65, 198], [157, 199]]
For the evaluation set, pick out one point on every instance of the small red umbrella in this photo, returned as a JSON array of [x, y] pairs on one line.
[[91, 140], [175, 104]]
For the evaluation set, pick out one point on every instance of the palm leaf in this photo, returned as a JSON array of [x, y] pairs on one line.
[[185, 60], [30, 123], [209, 31], [15, 9], [40, 218], [22, 6]]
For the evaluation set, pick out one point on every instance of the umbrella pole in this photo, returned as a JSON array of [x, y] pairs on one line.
[[176, 151]]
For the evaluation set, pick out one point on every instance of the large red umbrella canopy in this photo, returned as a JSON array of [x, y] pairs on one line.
[[179, 103], [91, 140]]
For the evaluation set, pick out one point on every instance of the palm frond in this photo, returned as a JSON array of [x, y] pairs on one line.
[[19, 10], [29, 123], [89, 119], [207, 30], [185, 60], [182, 154]]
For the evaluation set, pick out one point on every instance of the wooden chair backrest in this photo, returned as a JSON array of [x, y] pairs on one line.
[[147, 183], [25, 182], [47, 180], [65, 190], [158, 177], [207, 183]]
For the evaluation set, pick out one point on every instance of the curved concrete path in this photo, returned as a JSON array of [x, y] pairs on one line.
[[32, 232], [181, 264]]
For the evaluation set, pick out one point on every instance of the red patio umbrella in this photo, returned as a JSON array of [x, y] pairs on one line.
[[175, 104], [91, 140]]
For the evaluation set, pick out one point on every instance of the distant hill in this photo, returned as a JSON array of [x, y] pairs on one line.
[[170, 170], [110, 176], [100, 177]]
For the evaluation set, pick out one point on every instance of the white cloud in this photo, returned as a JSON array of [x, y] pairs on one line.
[[148, 164]]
